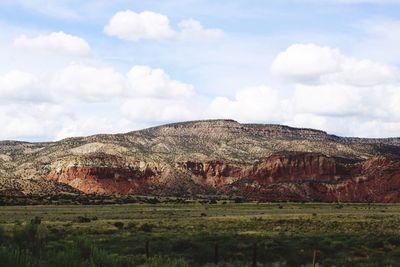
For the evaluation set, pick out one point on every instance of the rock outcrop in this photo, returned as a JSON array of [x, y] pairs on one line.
[[260, 162]]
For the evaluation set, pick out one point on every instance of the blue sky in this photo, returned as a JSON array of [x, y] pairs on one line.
[[83, 67]]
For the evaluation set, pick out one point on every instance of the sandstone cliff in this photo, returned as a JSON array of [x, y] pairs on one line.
[[264, 162]]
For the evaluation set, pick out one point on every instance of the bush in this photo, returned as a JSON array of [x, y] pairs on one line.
[[31, 236], [119, 225], [146, 227], [238, 200], [153, 200], [81, 253], [131, 225], [82, 219], [11, 257], [36, 220]]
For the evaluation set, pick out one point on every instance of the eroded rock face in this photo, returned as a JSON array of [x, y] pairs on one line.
[[283, 177], [262, 162], [103, 173], [296, 167], [104, 179], [213, 173], [305, 177], [375, 180]]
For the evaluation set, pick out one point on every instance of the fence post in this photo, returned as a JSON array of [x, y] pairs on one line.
[[314, 261], [216, 248], [147, 249], [254, 255]]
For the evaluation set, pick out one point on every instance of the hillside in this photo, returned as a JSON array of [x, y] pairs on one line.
[[264, 162]]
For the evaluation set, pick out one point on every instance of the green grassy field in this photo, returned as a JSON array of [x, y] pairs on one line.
[[187, 234]]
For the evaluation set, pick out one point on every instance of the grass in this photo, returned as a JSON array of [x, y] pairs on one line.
[[286, 234]]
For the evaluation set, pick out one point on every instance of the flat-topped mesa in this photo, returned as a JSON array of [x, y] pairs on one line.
[[254, 160], [211, 127], [272, 130], [276, 130]]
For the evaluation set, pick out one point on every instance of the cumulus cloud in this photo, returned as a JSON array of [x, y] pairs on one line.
[[87, 83], [254, 104], [132, 26], [31, 120], [96, 84], [312, 63], [342, 97], [155, 110], [306, 62], [58, 42], [191, 28], [19, 85], [86, 99], [328, 99], [361, 73], [145, 81], [156, 98], [326, 90]]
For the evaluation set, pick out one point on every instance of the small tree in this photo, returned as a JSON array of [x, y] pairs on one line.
[[2, 234], [31, 236]]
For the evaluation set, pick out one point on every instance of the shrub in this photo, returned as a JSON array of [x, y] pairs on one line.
[[119, 225], [146, 227], [238, 200], [153, 200], [2, 235], [11, 257], [82, 219], [31, 236], [36, 220], [131, 225]]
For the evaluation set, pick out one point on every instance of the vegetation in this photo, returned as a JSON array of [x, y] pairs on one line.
[[200, 234]]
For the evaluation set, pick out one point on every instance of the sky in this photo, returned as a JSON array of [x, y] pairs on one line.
[[73, 68]]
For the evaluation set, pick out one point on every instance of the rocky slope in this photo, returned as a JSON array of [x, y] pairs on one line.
[[264, 162]]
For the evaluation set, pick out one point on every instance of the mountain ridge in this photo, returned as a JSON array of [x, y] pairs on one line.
[[207, 156]]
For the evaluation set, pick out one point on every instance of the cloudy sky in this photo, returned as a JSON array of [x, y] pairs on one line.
[[72, 67]]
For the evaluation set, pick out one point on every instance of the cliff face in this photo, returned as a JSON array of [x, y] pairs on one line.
[[262, 162]]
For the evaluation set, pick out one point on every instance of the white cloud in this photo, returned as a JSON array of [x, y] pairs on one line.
[[154, 97], [331, 100], [191, 28], [96, 84], [361, 73], [31, 120], [90, 123], [132, 26], [87, 98], [58, 42], [329, 91], [311, 63], [306, 62], [255, 104], [145, 81], [155, 110], [84, 99], [87, 83], [18, 85]]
